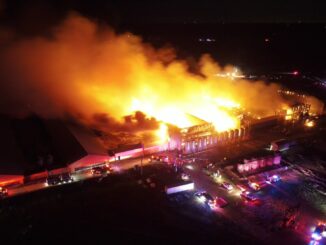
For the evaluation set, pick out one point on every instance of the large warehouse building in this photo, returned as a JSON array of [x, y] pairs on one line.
[[33, 148], [204, 136]]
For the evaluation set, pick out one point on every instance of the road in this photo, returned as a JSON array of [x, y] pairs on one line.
[[118, 166], [204, 182], [263, 220]]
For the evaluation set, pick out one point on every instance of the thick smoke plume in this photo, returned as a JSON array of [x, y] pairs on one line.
[[91, 73]]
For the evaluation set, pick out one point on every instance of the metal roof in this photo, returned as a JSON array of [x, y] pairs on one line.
[[33, 144]]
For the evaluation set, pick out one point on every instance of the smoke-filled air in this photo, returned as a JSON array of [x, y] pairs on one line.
[[121, 84]]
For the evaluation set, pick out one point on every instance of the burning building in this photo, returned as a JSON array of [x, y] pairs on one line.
[[204, 136], [297, 111], [299, 106], [84, 70]]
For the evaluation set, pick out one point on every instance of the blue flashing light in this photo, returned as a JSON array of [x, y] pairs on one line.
[[316, 236]]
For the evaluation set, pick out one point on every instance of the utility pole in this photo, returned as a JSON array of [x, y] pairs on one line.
[[141, 160]]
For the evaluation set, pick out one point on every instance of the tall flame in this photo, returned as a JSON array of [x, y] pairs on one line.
[[162, 134], [202, 108]]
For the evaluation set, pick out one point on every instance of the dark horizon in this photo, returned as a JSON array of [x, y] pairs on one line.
[[180, 11], [254, 37]]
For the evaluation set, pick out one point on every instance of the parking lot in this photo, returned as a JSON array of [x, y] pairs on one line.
[[286, 211]]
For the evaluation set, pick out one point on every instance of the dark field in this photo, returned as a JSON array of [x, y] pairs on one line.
[[114, 209]]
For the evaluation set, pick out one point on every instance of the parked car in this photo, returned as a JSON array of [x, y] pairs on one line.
[[160, 158], [255, 186], [59, 179], [273, 179], [53, 180], [221, 202], [206, 198], [227, 186], [103, 170], [66, 178], [216, 174], [247, 196], [185, 176], [209, 168]]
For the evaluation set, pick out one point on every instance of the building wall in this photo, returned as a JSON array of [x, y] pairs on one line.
[[7, 180], [36, 177], [89, 161], [254, 164], [138, 152], [202, 143]]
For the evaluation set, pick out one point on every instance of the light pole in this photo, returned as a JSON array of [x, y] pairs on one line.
[[141, 160]]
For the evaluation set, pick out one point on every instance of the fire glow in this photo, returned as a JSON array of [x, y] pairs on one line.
[[205, 110], [85, 69]]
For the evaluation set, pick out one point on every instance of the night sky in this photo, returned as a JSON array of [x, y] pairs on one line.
[[117, 12], [296, 31]]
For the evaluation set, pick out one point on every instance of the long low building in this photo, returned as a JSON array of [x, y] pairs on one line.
[[33, 148], [204, 136], [257, 161]]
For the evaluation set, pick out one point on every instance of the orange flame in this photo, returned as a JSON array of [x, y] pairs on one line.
[[85, 70]]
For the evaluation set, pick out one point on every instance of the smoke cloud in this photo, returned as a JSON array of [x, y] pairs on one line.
[[88, 71]]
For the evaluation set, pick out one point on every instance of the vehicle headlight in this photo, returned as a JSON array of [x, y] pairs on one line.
[[316, 236], [201, 199]]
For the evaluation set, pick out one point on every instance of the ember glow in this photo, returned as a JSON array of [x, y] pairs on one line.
[[178, 115], [289, 114], [309, 123], [162, 134]]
